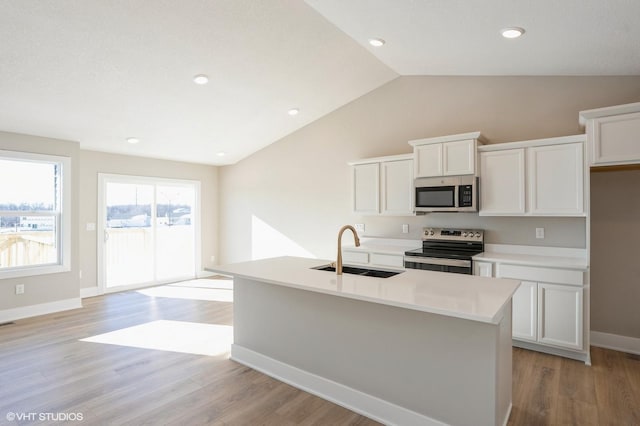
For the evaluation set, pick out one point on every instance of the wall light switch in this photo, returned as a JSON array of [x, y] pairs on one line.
[[91, 226], [405, 228], [539, 232], [359, 227]]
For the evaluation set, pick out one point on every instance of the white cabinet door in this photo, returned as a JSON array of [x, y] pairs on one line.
[[428, 160], [556, 176], [502, 182], [615, 139], [483, 269], [397, 188], [458, 158], [366, 188], [525, 311], [560, 315]]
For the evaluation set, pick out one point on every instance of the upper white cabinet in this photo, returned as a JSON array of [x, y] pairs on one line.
[[556, 179], [613, 134], [396, 193], [542, 177], [383, 186], [502, 186], [366, 188], [447, 155]]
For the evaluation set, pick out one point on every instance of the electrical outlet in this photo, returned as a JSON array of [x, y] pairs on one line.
[[405, 228], [19, 288], [539, 233], [359, 227]]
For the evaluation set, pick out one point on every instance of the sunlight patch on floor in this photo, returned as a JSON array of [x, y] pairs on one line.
[[210, 290], [174, 336]]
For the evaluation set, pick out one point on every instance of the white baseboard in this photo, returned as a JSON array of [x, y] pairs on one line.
[[41, 309], [616, 342], [354, 400], [89, 292]]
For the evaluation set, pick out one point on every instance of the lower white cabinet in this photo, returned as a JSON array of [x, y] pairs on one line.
[[560, 315], [360, 257], [548, 307], [525, 312], [483, 269]]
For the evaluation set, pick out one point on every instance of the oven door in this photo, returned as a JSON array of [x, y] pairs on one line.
[[456, 266]]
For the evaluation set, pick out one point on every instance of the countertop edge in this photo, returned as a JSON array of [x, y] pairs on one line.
[[494, 320]]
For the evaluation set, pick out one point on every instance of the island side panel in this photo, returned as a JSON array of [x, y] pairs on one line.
[[441, 367]]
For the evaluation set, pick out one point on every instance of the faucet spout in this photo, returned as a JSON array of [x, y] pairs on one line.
[[339, 257]]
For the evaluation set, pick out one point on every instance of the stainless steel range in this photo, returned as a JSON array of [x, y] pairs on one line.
[[446, 250]]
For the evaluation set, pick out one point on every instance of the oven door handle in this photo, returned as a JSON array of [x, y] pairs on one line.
[[438, 261]]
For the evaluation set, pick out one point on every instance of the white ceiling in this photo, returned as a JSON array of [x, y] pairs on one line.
[[99, 71]]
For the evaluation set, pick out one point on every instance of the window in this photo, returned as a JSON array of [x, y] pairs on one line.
[[34, 214]]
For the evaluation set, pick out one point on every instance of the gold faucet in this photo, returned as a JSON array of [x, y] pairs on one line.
[[355, 237]]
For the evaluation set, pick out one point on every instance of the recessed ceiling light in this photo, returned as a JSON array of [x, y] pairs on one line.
[[221, 154], [200, 79], [293, 111], [512, 32], [376, 42], [133, 141]]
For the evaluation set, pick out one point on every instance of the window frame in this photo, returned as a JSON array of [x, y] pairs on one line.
[[62, 216]]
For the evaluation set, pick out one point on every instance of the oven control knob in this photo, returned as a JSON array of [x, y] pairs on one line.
[[477, 235], [431, 232], [464, 234]]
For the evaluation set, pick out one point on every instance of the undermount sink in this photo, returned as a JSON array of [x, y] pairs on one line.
[[377, 273]]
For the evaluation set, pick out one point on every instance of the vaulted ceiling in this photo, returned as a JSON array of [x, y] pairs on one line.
[[99, 72]]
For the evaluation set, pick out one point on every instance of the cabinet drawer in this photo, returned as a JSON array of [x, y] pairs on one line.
[[355, 257], [381, 259], [532, 273]]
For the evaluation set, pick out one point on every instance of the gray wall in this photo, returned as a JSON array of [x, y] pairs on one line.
[[299, 186], [50, 287], [615, 253], [92, 163]]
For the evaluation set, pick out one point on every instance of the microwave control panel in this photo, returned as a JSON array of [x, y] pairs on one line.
[[465, 196]]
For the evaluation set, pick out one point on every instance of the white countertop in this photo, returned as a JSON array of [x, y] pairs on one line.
[[455, 295], [551, 257]]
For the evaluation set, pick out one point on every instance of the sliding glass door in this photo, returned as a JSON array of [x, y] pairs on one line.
[[148, 231]]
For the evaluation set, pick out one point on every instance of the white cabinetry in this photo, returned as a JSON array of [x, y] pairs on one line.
[[614, 134], [397, 187], [542, 177], [447, 155], [560, 315], [366, 188], [502, 186], [556, 179], [548, 305], [383, 186], [483, 269], [525, 311], [550, 309]]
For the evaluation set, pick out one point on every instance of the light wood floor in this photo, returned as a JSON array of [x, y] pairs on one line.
[[44, 368]]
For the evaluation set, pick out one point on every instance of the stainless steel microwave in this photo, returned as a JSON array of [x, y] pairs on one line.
[[446, 194]]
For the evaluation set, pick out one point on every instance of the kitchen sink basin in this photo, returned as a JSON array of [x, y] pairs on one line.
[[377, 273]]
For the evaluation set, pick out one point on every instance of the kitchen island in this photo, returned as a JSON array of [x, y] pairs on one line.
[[420, 347]]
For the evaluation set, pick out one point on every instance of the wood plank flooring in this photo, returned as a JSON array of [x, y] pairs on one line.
[[45, 368]]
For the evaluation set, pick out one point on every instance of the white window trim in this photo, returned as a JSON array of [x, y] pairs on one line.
[[63, 223]]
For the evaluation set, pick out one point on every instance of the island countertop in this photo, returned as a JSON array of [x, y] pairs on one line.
[[461, 296]]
